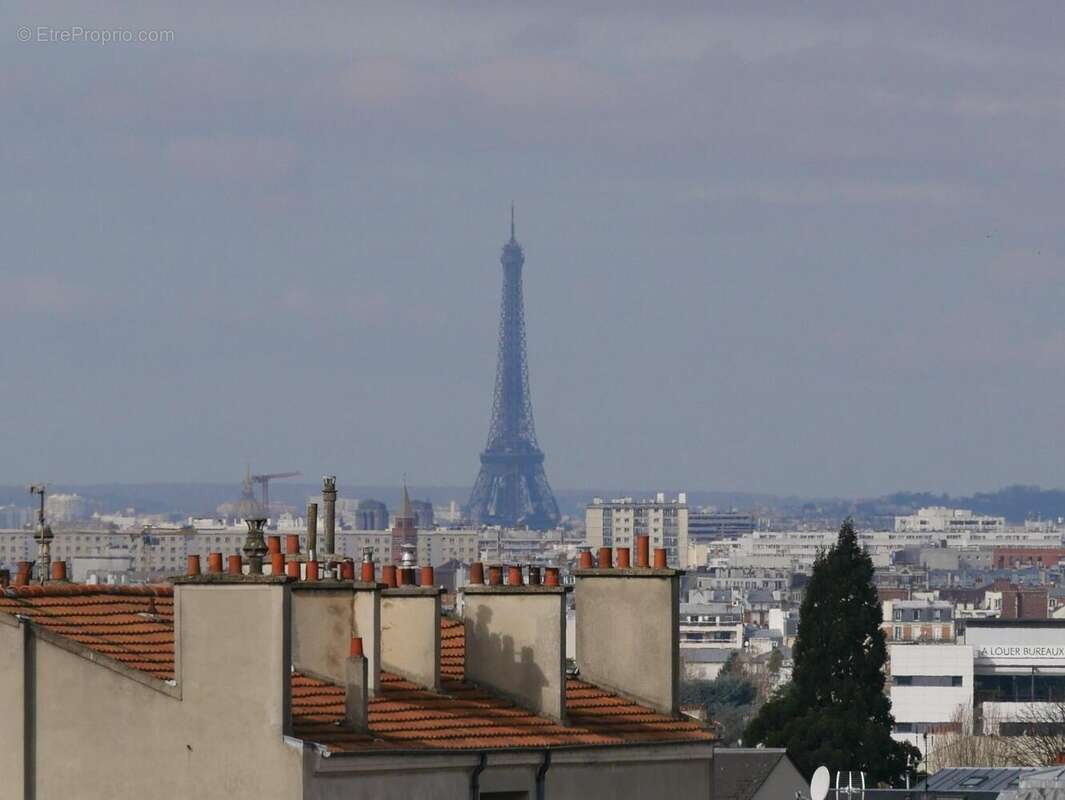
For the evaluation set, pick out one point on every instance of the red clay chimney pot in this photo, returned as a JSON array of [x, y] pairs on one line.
[[585, 561], [235, 565], [660, 558], [427, 577], [59, 570], [277, 561], [551, 576], [312, 570], [292, 569], [356, 647], [643, 550], [476, 572], [214, 563], [192, 568], [292, 544], [273, 544], [495, 575], [388, 576], [347, 569], [514, 576], [623, 557], [605, 558], [368, 571]]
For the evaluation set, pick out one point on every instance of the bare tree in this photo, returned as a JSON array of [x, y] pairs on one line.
[[1040, 735], [960, 744]]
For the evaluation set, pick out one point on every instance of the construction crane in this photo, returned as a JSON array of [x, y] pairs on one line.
[[264, 481]]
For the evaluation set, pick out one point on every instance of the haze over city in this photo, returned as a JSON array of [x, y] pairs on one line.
[[778, 250]]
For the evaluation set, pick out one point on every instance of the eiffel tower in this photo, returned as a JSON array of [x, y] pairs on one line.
[[511, 488]]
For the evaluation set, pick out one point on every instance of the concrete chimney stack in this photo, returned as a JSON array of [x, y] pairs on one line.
[[312, 527], [329, 500], [356, 687], [647, 598], [516, 642]]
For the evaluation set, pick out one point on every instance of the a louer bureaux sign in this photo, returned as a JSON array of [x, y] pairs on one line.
[[999, 651]]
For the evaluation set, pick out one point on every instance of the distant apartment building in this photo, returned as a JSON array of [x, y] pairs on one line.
[[743, 579], [371, 515], [704, 626], [62, 508], [437, 547], [918, 621], [158, 552], [617, 523], [1018, 602], [709, 526], [15, 517], [423, 514], [938, 518], [797, 550], [1020, 557], [520, 546]]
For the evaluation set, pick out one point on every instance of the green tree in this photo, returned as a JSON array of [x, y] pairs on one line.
[[775, 662], [834, 710], [730, 701]]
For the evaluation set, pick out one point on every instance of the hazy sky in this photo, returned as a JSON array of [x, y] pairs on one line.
[[813, 250]]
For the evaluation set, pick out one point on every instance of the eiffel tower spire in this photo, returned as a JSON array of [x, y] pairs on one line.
[[511, 488]]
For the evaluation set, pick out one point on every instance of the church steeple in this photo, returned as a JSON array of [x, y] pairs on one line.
[[406, 512], [404, 531]]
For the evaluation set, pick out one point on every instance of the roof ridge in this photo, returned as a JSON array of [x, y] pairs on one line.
[[84, 589]]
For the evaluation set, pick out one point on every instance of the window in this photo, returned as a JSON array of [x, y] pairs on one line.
[[976, 780], [928, 680]]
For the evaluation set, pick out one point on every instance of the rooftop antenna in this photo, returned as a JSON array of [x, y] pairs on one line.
[[855, 785], [512, 220], [44, 537]]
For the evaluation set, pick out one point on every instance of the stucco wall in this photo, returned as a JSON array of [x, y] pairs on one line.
[[515, 644], [100, 734], [12, 654], [410, 635], [602, 773], [321, 631], [627, 636]]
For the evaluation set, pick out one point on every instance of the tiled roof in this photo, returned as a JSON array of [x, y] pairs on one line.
[[452, 648], [132, 624], [135, 625], [463, 717]]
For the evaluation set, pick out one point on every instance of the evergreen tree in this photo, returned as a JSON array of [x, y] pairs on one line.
[[834, 710]]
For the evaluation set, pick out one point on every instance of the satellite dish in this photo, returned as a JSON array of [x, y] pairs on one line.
[[819, 784]]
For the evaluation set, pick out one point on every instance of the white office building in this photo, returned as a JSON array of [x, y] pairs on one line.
[[1002, 675]]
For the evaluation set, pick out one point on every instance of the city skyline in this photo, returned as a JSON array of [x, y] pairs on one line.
[[785, 251]]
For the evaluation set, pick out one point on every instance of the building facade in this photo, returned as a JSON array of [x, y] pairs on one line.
[[617, 523], [937, 518]]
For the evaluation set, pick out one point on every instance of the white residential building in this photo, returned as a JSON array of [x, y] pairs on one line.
[[617, 523], [938, 518]]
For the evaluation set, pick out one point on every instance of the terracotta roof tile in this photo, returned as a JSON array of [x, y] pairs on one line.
[[463, 716], [132, 624], [452, 648]]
